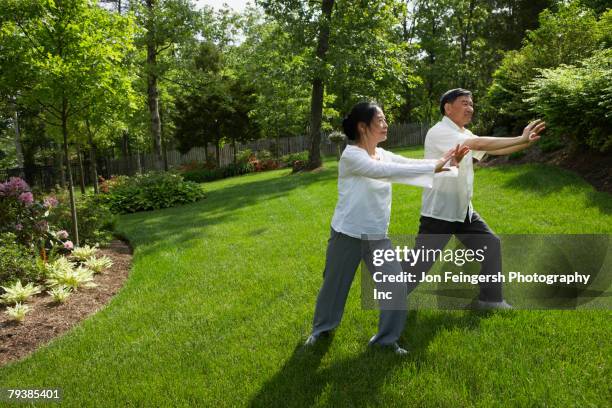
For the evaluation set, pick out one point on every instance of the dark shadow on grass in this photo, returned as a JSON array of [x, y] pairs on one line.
[[542, 179], [356, 380], [601, 200]]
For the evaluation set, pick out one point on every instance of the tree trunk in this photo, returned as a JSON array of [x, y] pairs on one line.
[[153, 92], [318, 89], [125, 152], [94, 164], [234, 149], [165, 151], [218, 153], [206, 153], [18, 148], [73, 213], [81, 172], [62, 169], [138, 162]]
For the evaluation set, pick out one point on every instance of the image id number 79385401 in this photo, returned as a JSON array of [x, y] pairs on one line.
[[30, 394]]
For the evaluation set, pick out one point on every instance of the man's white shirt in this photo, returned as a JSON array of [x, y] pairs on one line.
[[449, 198]]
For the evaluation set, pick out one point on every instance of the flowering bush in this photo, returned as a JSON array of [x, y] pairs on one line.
[[21, 215]]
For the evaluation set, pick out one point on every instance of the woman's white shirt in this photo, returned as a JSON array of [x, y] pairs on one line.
[[364, 188]]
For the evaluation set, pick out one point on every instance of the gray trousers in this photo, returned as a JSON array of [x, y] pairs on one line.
[[344, 254]]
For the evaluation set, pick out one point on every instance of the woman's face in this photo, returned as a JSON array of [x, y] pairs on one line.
[[376, 131]]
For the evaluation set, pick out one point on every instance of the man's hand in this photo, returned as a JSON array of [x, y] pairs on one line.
[[532, 131]]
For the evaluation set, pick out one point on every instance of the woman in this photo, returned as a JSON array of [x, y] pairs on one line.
[[365, 173]]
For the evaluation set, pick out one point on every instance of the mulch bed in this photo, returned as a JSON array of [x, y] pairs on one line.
[[47, 320], [594, 167]]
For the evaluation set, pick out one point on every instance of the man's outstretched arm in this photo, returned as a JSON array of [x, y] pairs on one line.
[[510, 150], [506, 145]]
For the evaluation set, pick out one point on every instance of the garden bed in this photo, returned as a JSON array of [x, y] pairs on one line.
[[49, 320]]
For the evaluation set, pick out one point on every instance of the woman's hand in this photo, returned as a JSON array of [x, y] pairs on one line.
[[455, 155]]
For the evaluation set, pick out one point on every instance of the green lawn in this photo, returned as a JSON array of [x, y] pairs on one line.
[[222, 292]]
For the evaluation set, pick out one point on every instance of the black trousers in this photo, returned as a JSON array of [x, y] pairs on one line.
[[474, 234]]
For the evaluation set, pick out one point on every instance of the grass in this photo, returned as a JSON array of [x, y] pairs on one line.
[[222, 292]]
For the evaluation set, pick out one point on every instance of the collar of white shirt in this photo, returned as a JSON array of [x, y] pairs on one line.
[[449, 122]]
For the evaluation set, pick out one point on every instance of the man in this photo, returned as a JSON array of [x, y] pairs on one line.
[[447, 207]]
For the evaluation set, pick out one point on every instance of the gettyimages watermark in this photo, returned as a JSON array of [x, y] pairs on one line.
[[453, 272]]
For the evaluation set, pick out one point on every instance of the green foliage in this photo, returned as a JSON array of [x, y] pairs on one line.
[[149, 191], [96, 221], [577, 101], [290, 159], [84, 253], [263, 155], [17, 293], [243, 156], [71, 277], [98, 265], [22, 215], [17, 312], [204, 174], [60, 294], [564, 37]]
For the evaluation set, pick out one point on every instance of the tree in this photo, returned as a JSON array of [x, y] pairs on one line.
[[564, 37], [219, 109], [166, 23], [74, 49], [301, 18]]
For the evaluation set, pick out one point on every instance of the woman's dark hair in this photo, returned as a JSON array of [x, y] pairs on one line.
[[362, 112], [450, 96]]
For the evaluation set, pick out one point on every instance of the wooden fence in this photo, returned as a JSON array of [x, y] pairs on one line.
[[401, 134]]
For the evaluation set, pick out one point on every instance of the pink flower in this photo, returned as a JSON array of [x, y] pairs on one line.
[[62, 234], [26, 198], [18, 227], [68, 245], [14, 187], [50, 202]]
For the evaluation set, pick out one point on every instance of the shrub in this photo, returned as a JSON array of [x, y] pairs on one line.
[[566, 36], [22, 215], [98, 265], [244, 156], [60, 293], [18, 312], [150, 191], [231, 170], [17, 262], [96, 221], [17, 293], [290, 159], [263, 155], [577, 101], [71, 277], [84, 253]]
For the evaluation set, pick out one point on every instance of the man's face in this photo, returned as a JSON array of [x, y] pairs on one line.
[[460, 110]]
